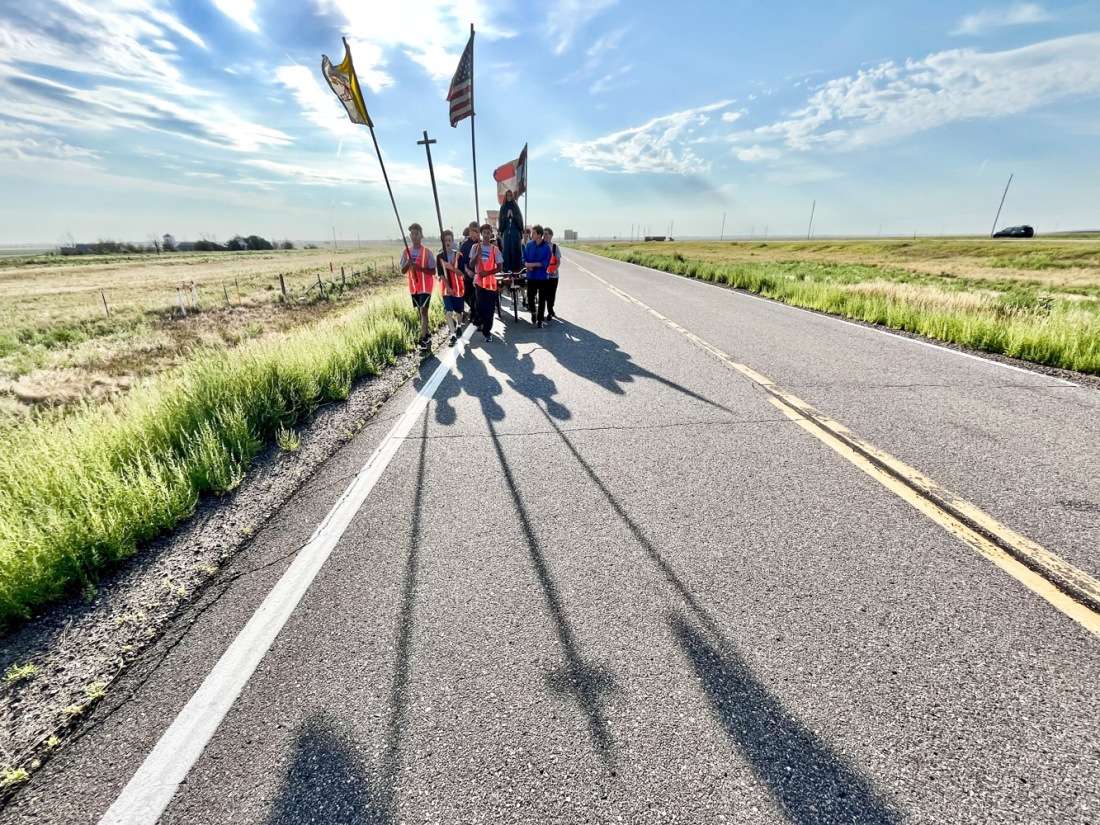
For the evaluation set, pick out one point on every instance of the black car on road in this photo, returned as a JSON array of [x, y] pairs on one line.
[[1015, 232]]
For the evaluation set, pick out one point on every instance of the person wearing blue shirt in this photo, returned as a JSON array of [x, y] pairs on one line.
[[536, 259]]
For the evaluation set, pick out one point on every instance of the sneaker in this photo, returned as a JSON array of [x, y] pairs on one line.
[[454, 340], [538, 324], [488, 339]]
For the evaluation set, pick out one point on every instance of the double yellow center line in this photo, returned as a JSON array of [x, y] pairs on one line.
[[1069, 589]]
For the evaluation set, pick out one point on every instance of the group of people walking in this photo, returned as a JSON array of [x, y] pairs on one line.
[[468, 275]]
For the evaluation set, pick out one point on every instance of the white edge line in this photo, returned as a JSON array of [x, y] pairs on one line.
[[151, 789], [845, 321]]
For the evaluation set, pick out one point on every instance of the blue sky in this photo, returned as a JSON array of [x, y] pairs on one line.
[[121, 119]]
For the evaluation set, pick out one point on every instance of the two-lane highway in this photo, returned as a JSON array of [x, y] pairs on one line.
[[606, 577]]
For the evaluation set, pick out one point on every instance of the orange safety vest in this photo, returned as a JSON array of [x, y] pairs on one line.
[[552, 270], [452, 279], [420, 282], [486, 259]]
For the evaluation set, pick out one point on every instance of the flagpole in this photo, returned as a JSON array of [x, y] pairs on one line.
[[378, 152], [473, 139]]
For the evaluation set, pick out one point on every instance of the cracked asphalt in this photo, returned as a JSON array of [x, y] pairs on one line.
[[604, 580]]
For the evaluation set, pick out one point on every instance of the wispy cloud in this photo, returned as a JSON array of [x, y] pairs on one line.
[[240, 11], [431, 33], [51, 149], [657, 146], [890, 101], [122, 72], [567, 17], [1016, 14]]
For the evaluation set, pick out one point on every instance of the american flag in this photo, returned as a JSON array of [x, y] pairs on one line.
[[461, 93]]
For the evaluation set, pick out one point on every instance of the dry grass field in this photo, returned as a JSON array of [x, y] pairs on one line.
[[60, 345], [1037, 300]]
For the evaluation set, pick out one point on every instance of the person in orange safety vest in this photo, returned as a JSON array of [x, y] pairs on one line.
[[485, 261], [418, 264]]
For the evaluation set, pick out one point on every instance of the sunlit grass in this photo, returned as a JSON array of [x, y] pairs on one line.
[[1021, 319], [80, 492]]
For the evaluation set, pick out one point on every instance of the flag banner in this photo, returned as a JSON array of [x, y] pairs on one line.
[[345, 84], [512, 175], [461, 93]]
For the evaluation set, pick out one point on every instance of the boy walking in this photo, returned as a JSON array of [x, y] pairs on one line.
[[418, 264], [451, 284], [486, 264], [552, 281], [536, 257], [471, 237]]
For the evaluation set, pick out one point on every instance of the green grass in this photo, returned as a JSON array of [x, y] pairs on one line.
[[80, 493], [1023, 320]]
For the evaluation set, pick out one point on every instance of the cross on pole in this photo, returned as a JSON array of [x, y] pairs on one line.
[[427, 144]]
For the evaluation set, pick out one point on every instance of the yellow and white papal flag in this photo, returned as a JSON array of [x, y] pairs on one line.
[[345, 84]]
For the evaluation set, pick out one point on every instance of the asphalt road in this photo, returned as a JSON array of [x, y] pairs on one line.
[[605, 579]]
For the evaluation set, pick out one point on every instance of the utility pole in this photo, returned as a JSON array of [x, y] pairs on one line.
[[334, 244], [722, 234], [992, 231], [810, 229]]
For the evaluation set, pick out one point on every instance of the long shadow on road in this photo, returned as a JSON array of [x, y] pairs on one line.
[[808, 779], [327, 782], [589, 683]]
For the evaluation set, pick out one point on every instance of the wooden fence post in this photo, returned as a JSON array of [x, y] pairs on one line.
[[104, 297], [282, 284]]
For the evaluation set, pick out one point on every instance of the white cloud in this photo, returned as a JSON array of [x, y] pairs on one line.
[[891, 101], [609, 82], [357, 167], [757, 153], [732, 117], [50, 148], [567, 17], [432, 33], [1015, 15], [657, 146], [239, 11], [123, 74]]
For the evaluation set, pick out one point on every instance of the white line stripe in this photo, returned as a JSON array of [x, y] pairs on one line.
[[150, 791], [840, 320]]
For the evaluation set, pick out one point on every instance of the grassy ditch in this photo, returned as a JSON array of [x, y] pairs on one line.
[[1048, 321], [79, 492]]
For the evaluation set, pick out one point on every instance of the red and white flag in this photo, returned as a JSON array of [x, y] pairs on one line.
[[512, 175], [461, 93]]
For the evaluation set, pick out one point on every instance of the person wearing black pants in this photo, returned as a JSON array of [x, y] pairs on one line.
[[551, 282], [485, 261], [470, 237], [536, 257]]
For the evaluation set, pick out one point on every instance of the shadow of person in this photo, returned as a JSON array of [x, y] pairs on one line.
[[326, 782], [599, 360], [522, 377], [475, 380], [810, 781]]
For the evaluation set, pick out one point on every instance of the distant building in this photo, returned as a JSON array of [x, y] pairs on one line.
[[169, 241]]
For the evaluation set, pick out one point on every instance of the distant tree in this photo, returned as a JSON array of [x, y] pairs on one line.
[[287, 245], [258, 243], [154, 242]]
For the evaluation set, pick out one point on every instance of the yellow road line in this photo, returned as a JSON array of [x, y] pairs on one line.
[[1069, 589]]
